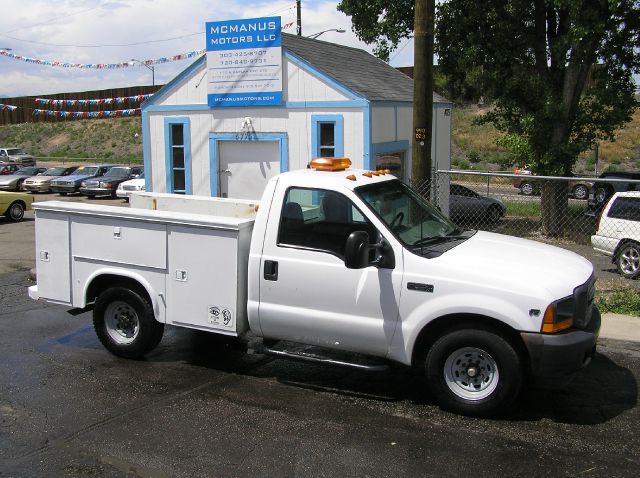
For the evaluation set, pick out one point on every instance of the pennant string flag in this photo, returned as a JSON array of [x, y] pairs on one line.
[[8, 107], [87, 114], [99, 101], [102, 66]]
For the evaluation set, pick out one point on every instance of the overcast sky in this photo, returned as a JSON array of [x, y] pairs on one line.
[[86, 31]]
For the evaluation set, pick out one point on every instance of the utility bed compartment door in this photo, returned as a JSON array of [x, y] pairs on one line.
[[52, 256], [203, 279], [120, 241]]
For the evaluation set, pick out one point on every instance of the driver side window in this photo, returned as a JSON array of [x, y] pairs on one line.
[[320, 220]]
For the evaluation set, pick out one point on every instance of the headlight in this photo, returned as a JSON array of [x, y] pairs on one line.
[[83, 184], [558, 316], [106, 185]]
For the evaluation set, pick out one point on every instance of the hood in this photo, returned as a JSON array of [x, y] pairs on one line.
[[76, 177], [41, 179], [519, 264]]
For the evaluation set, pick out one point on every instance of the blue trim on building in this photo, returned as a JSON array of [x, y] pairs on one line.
[[214, 161], [168, 160], [367, 160], [296, 60], [146, 151], [288, 104], [338, 121], [390, 147]]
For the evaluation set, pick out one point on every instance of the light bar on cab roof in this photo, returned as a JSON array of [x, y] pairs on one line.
[[330, 164]]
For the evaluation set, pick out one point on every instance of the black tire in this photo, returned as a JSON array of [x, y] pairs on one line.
[[494, 214], [125, 323], [19, 185], [473, 372], [601, 195], [527, 189], [580, 191], [62, 194], [628, 260], [15, 212]]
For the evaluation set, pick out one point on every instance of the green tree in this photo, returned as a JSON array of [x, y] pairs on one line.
[[558, 71]]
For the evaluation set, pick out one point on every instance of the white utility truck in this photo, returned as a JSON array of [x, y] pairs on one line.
[[338, 259]]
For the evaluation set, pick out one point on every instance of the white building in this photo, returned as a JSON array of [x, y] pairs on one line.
[[337, 101]]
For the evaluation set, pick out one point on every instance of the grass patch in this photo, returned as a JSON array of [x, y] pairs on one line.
[[619, 301]]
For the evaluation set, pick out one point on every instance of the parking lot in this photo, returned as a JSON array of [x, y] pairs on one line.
[[202, 406]]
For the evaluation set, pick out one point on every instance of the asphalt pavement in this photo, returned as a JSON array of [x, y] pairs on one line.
[[200, 406]]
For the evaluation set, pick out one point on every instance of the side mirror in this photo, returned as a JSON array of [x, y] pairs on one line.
[[356, 251]]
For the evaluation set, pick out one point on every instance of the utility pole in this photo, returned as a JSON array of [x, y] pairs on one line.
[[299, 17], [423, 95]]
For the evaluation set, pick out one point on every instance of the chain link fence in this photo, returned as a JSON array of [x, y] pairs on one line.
[[563, 211]]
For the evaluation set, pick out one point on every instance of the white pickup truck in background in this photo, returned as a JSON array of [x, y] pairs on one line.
[[340, 259]]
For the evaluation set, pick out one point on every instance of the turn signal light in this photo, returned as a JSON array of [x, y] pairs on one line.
[[330, 164], [552, 323]]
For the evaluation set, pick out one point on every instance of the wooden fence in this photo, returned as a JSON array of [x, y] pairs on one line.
[[26, 104]]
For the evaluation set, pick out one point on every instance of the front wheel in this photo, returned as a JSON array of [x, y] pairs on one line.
[[628, 260], [473, 372], [125, 323], [15, 212], [580, 192], [527, 189]]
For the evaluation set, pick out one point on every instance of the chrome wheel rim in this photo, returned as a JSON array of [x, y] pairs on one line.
[[630, 261], [580, 192], [471, 373], [527, 189], [16, 212], [122, 322]]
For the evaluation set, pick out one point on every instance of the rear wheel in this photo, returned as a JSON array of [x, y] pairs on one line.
[[473, 372], [125, 323], [16, 211], [494, 214], [628, 260], [601, 195], [580, 192], [527, 189]]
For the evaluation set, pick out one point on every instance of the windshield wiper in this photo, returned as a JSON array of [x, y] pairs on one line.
[[434, 239]]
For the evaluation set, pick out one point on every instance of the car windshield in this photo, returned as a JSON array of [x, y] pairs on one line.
[[27, 171], [118, 173], [54, 172], [407, 214], [12, 152], [86, 171]]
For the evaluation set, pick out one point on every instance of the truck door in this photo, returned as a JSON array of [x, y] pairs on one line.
[[306, 292]]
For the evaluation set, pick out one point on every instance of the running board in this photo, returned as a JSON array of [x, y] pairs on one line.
[[302, 356]]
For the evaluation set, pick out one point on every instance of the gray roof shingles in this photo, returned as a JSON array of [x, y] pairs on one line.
[[355, 69]]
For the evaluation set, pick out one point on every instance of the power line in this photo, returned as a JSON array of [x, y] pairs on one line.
[[105, 45], [48, 22]]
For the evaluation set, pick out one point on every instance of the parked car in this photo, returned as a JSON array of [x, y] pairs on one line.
[[106, 185], [16, 155], [13, 205], [71, 184], [42, 182], [600, 192], [528, 186], [9, 168], [13, 182], [618, 233], [132, 185], [467, 205]]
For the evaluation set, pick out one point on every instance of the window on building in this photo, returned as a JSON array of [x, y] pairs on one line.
[[177, 159], [320, 220], [327, 144]]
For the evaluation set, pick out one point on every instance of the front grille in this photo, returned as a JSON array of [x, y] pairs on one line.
[[584, 299], [91, 184]]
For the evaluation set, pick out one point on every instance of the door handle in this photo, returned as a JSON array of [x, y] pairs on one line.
[[271, 270], [226, 171]]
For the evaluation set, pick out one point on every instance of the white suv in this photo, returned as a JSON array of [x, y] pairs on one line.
[[618, 233]]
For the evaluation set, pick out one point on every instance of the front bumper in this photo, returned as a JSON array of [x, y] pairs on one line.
[[96, 191], [555, 358], [64, 189], [36, 188]]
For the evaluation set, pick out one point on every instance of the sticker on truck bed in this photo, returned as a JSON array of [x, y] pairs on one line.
[[221, 317]]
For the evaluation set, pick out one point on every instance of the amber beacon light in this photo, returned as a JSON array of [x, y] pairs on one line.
[[330, 164]]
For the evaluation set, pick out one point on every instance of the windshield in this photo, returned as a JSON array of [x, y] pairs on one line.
[[118, 173], [13, 152], [54, 172], [27, 171], [408, 215], [86, 171]]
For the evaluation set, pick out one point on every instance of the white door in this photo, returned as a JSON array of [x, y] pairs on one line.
[[308, 295], [246, 167]]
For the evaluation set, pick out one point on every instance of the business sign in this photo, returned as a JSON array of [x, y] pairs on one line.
[[244, 62]]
